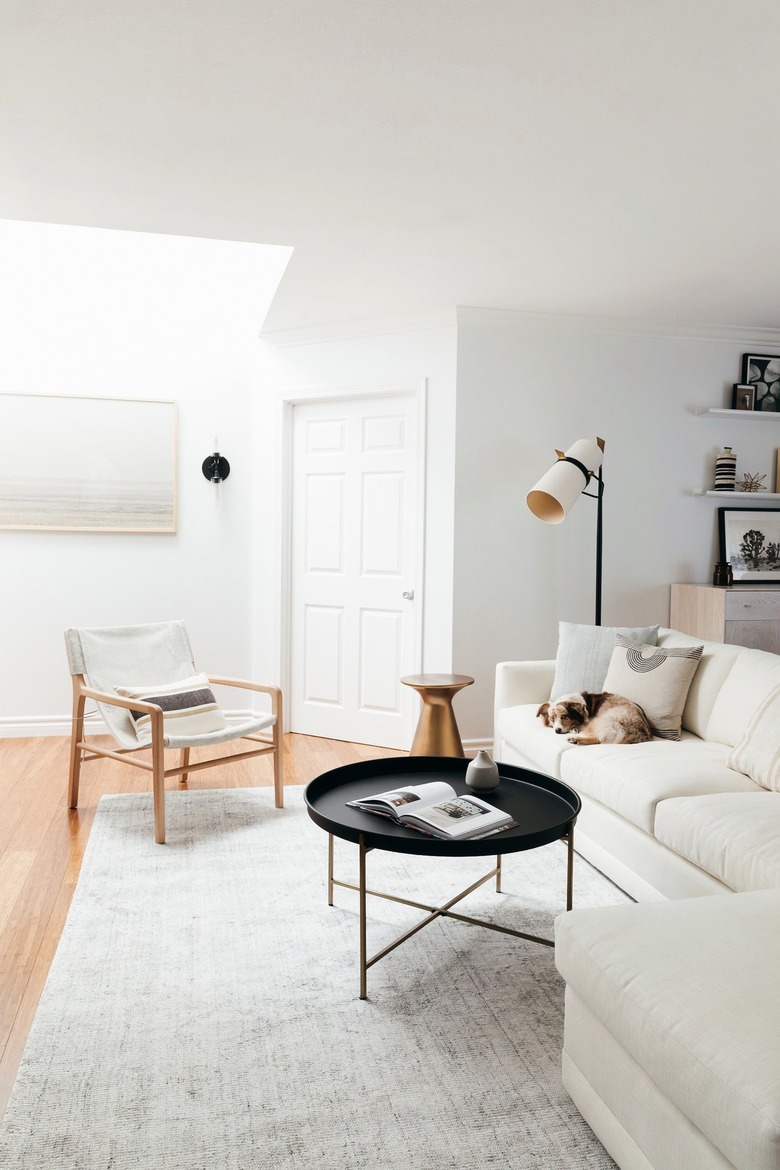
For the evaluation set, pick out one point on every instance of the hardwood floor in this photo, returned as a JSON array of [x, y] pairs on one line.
[[42, 843]]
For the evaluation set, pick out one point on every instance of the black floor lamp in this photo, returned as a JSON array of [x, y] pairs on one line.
[[560, 488]]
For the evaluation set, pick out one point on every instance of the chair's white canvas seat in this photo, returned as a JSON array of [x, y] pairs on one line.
[[235, 731]]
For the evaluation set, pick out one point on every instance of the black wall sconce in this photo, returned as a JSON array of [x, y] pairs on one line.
[[216, 467]]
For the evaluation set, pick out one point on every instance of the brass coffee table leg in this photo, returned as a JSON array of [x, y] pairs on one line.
[[569, 839], [434, 912], [330, 869], [363, 954]]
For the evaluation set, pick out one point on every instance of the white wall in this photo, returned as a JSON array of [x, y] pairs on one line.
[[118, 314], [401, 359], [527, 384]]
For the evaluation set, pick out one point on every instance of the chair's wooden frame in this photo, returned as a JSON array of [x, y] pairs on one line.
[[79, 746]]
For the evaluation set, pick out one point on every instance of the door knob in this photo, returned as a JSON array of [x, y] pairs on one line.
[[408, 595]]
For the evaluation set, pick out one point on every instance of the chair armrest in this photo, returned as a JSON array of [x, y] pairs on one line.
[[246, 685], [120, 701], [523, 682]]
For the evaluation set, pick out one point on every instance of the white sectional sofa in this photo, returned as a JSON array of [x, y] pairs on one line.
[[672, 1034], [663, 819]]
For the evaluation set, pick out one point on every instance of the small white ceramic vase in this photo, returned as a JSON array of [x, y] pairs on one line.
[[482, 773]]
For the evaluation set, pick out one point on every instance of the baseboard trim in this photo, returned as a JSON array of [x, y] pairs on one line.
[[472, 746]]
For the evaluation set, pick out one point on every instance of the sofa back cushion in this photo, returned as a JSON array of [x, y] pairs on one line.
[[758, 752], [754, 674], [584, 653], [714, 667]]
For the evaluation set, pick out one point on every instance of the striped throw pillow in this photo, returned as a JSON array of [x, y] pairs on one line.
[[758, 752], [189, 707], [658, 678]]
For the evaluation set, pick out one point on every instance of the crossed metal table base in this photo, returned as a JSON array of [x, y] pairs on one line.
[[434, 912]]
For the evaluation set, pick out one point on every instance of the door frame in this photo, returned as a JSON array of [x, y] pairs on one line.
[[419, 392]]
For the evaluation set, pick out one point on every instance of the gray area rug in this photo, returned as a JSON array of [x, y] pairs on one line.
[[202, 1010]]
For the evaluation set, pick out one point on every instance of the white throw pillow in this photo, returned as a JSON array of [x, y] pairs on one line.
[[584, 653], [657, 678], [758, 752], [189, 707]]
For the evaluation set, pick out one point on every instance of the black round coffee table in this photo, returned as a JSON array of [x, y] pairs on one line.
[[545, 810]]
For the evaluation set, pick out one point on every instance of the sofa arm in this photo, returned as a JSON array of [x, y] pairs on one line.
[[523, 682]]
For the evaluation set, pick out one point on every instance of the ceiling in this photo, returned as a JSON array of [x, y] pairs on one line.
[[577, 156]]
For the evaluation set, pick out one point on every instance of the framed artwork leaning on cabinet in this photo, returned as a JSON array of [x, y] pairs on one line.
[[750, 543]]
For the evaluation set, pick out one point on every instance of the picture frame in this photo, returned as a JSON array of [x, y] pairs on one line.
[[743, 397], [750, 542], [762, 370], [777, 470], [88, 464]]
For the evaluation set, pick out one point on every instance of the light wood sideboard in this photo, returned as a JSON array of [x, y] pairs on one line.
[[743, 615]]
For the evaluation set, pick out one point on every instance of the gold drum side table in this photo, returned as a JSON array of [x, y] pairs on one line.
[[437, 732]]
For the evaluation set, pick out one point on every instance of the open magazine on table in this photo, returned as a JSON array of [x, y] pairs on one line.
[[437, 809]]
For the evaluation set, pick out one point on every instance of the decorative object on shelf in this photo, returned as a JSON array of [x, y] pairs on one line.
[[750, 543], [560, 488], [725, 470], [762, 370], [216, 467], [482, 772], [723, 574], [751, 483], [743, 397]]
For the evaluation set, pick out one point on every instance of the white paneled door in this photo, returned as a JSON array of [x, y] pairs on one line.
[[355, 509]]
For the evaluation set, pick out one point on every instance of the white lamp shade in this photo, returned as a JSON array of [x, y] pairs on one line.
[[560, 487]]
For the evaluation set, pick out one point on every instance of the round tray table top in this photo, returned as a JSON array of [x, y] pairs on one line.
[[544, 808]]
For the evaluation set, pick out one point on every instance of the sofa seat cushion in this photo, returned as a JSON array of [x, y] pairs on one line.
[[688, 989], [632, 778], [735, 836], [520, 727]]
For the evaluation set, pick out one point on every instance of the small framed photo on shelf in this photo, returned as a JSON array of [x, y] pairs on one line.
[[762, 371], [743, 397], [750, 543]]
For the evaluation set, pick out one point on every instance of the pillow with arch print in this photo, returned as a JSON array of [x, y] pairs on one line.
[[657, 678]]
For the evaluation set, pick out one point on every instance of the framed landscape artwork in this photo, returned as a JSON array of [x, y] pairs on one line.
[[750, 543], [88, 464]]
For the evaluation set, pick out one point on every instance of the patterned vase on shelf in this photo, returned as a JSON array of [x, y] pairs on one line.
[[725, 470], [482, 772]]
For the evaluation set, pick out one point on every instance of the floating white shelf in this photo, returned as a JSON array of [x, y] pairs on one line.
[[764, 415], [754, 497]]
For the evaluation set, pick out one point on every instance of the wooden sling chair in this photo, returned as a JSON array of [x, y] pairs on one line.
[[148, 661]]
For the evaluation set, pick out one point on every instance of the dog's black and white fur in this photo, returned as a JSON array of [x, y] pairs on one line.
[[590, 718]]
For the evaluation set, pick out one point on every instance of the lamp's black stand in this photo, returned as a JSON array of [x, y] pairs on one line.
[[599, 498]]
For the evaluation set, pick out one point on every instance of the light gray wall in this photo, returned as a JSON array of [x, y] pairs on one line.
[[527, 384]]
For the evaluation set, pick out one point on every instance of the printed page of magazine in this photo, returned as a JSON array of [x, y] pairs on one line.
[[464, 816], [399, 800]]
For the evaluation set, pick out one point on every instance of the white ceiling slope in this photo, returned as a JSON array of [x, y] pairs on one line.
[[580, 156]]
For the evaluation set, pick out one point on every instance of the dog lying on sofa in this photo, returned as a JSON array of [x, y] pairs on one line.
[[590, 718]]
